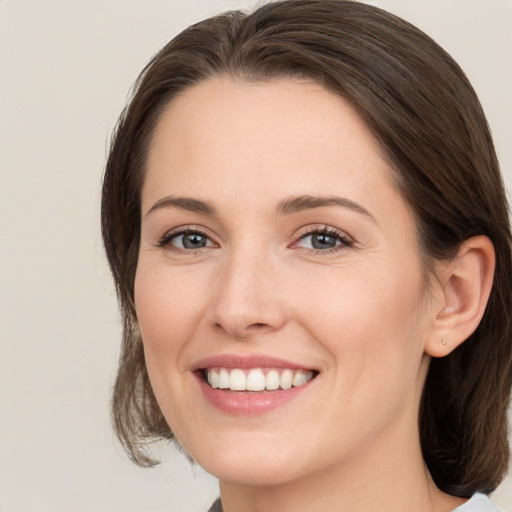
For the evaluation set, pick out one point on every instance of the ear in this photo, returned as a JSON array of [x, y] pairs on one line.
[[465, 285]]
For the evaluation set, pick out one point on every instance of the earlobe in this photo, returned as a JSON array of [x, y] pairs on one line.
[[466, 283]]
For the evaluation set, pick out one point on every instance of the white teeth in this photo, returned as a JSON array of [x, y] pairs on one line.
[[213, 379], [223, 379], [256, 379], [286, 379], [300, 378], [272, 380], [237, 380]]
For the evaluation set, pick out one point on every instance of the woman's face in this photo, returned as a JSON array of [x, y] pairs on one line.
[[276, 252]]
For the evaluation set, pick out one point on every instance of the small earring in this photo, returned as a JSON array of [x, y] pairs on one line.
[[443, 341]]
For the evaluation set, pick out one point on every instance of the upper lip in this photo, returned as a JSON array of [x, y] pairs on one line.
[[246, 362]]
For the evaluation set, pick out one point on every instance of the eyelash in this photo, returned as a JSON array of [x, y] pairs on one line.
[[339, 236]]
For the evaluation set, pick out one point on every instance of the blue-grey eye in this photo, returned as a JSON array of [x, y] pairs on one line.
[[190, 240], [194, 241], [323, 240]]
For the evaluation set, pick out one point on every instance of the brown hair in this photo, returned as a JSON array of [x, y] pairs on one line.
[[429, 122]]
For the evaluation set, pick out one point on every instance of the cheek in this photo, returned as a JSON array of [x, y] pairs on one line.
[[378, 352], [374, 326], [168, 309], [359, 300], [394, 328]]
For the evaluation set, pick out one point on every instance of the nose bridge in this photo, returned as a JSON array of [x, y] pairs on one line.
[[246, 298]]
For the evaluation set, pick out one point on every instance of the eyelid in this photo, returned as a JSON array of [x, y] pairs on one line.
[[322, 228]]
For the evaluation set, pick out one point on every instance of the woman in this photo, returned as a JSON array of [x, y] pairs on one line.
[[307, 227]]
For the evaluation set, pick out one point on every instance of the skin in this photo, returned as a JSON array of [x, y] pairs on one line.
[[362, 315]]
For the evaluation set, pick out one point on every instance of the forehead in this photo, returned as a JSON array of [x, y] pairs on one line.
[[224, 128]]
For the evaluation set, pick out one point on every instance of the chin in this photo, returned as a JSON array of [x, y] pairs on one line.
[[251, 472], [256, 462]]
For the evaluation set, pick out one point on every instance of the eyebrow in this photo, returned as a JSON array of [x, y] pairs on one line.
[[184, 203], [301, 203], [287, 206]]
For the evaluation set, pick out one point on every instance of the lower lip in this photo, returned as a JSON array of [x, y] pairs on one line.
[[249, 403]]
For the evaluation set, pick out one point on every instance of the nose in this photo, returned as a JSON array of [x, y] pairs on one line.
[[248, 298]]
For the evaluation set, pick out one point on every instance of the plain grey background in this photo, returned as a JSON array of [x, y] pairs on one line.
[[66, 69]]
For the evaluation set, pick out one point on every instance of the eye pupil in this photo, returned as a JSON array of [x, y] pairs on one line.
[[323, 241], [194, 241]]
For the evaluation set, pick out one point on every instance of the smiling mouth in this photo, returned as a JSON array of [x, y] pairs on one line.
[[256, 379]]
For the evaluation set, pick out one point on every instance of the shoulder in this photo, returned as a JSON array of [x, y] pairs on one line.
[[478, 503], [216, 507]]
